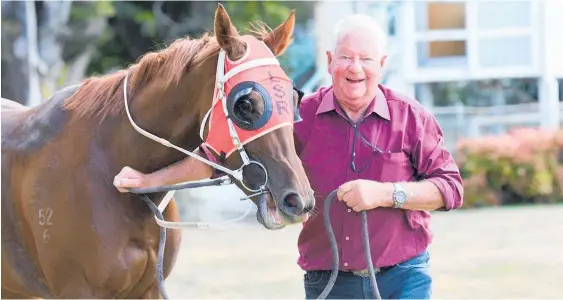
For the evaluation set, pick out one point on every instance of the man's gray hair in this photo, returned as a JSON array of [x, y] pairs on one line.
[[359, 21]]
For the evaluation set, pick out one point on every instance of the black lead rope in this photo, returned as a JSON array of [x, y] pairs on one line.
[[334, 247]]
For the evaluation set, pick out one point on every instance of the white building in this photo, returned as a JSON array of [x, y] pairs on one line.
[[437, 47]]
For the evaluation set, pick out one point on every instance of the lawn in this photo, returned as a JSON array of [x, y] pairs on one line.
[[512, 252]]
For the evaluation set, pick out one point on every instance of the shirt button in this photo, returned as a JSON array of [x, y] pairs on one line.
[[347, 238], [349, 210], [345, 264]]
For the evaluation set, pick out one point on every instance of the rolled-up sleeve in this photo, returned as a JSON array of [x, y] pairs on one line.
[[436, 164]]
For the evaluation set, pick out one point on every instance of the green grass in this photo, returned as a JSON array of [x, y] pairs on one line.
[[512, 252]]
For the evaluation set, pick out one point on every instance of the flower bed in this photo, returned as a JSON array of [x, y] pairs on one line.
[[523, 166]]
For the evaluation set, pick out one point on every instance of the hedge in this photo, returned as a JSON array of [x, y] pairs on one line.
[[522, 167]]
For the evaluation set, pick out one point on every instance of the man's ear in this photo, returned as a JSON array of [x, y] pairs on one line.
[[383, 60], [329, 61]]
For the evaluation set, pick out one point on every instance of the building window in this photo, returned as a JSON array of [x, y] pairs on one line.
[[442, 53], [504, 14], [441, 34], [505, 51], [446, 48], [439, 15]]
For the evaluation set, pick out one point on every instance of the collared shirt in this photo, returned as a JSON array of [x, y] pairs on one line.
[[406, 145]]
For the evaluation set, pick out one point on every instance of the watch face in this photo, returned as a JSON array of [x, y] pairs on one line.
[[400, 197]]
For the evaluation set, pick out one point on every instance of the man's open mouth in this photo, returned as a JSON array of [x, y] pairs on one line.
[[354, 80]]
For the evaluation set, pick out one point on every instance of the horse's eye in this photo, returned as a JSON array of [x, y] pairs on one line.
[[246, 105]]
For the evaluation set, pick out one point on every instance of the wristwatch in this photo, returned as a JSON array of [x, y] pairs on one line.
[[399, 196]]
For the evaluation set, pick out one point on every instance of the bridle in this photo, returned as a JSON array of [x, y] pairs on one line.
[[221, 79], [220, 98]]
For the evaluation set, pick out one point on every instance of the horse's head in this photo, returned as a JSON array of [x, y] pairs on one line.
[[232, 91], [261, 104]]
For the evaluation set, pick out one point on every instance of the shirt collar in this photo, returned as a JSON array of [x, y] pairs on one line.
[[378, 105]]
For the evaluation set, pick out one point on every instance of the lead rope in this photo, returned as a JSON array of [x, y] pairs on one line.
[[334, 247]]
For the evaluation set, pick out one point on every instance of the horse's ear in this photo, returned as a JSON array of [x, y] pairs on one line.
[[280, 38], [227, 35]]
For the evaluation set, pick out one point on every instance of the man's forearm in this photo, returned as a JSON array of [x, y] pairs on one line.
[[422, 195], [187, 169]]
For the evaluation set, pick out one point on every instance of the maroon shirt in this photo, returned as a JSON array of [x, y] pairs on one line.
[[409, 146]]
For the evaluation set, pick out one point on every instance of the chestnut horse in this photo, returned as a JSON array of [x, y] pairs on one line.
[[66, 230]]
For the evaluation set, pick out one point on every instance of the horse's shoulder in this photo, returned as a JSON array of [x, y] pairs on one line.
[[27, 129]]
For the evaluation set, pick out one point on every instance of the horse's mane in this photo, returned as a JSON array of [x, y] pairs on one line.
[[103, 95]]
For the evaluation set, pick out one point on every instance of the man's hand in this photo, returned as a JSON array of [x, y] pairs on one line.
[[129, 178], [365, 194]]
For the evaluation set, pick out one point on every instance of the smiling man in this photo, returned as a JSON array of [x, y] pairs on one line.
[[383, 152]]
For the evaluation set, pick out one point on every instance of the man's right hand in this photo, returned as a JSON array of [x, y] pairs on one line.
[[129, 178]]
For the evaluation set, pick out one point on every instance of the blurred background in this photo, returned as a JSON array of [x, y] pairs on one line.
[[490, 71]]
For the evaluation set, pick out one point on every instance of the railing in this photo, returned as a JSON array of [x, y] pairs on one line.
[[460, 121]]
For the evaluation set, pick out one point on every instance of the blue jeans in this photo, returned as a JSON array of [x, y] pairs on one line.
[[407, 280]]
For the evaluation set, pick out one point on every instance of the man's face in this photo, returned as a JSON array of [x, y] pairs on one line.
[[356, 67]]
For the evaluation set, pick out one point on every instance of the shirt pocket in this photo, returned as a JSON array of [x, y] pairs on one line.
[[392, 167]]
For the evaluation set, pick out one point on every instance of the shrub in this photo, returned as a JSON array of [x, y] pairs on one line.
[[522, 166]]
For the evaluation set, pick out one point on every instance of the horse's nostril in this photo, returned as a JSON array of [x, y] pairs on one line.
[[291, 200], [292, 205]]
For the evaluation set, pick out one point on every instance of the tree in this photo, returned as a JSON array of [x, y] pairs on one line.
[[50, 44]]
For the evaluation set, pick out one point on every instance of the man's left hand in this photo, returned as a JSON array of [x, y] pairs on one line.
[[365, 194]]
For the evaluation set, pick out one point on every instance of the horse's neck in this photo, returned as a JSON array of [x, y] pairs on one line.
[[171, 117]]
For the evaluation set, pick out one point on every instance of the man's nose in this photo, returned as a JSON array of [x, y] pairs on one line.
[[355, 65]]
